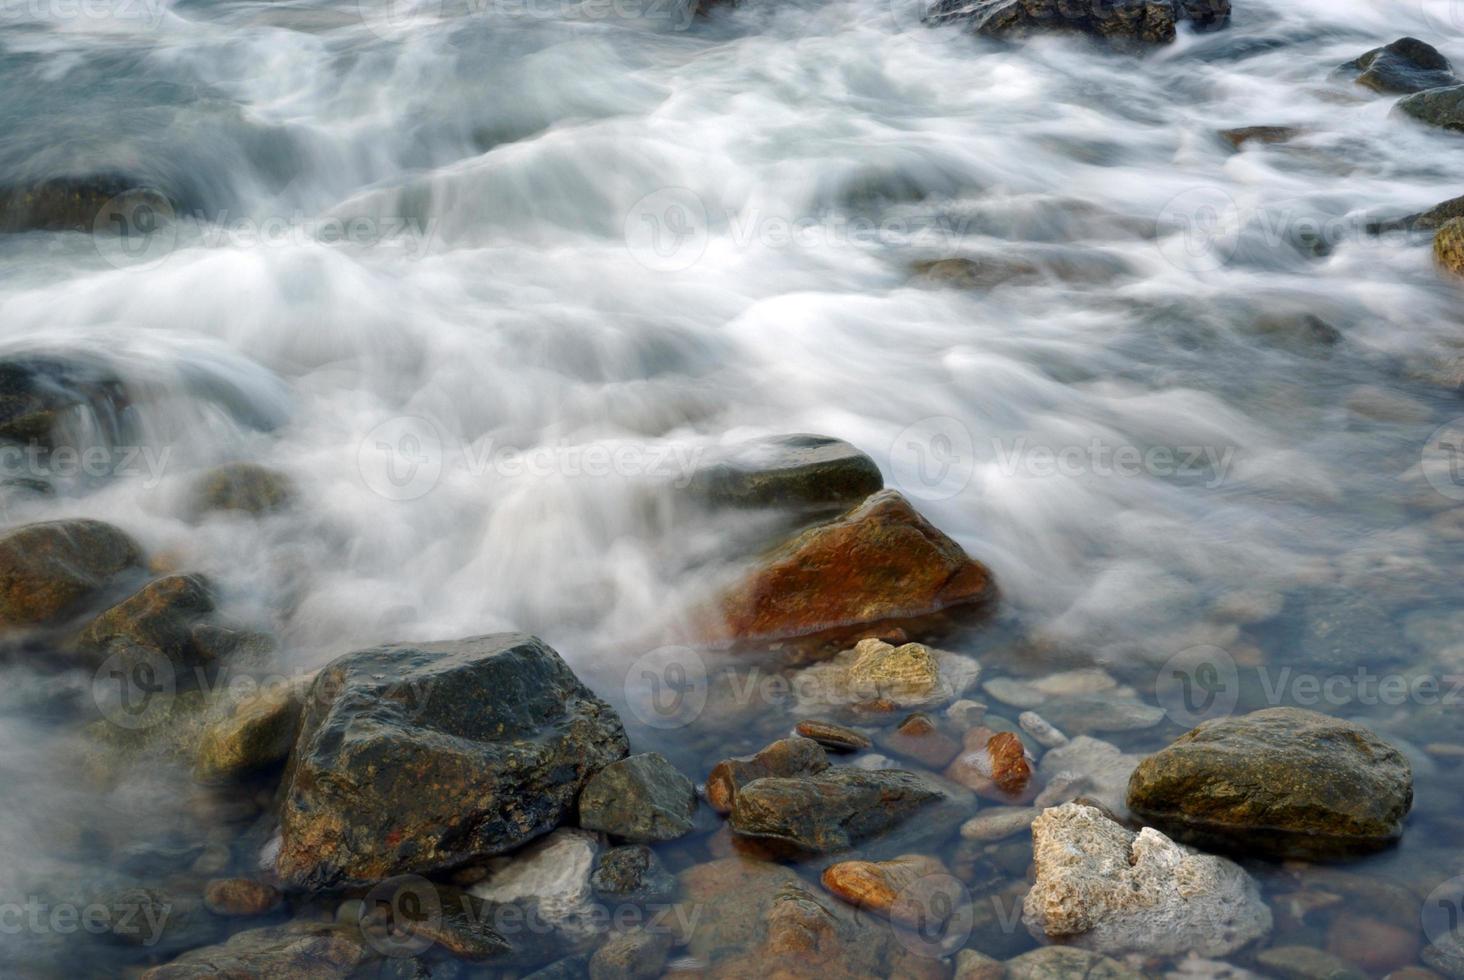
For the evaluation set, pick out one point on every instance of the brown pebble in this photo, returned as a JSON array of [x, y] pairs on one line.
[[786, 757], [239, 896], [919, 738], [1375, 946], [995, 766], [835, 738], [897, 889]]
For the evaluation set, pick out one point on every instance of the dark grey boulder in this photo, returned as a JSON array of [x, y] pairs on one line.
[[642, 798], [794, 471], [1406, 66], [1125, 22]]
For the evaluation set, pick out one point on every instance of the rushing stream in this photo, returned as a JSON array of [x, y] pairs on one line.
[[489, 282]]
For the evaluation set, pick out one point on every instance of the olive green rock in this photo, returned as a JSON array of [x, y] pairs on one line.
[[1067, 963], [794, 471], [1442, 107], [157, 620], [1283, 782], [47, 569], [255, 733], [641, 798], [247, 488], [1449, 246], [1406, 66]]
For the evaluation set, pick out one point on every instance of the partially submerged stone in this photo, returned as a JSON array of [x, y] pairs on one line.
[[632, 873], [1441, 107], [1126, 22], [255, 733], [1104, 888], [833, 737], [902, 889], [79, 202], [796, 472], [994, 765], [1283, 782], [876, 673], [48, 569], [1404, 67], [156, 621], [240, 897], [415, 758], [41, 393], [640, 798], [246, 488], [880, 563], [785, 757], [299, 950], [549, 882], [1449, 246], [1242, 135], [1067, 963]]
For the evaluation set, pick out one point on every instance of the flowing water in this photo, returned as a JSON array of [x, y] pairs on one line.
[[487, 282]]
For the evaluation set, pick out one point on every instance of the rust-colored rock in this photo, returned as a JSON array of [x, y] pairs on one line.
[[834, 738], [995, 766], [240, 896], [786, 757], [921, 739], [878, 563], [1449, 246], [896, 889], [47, 569]]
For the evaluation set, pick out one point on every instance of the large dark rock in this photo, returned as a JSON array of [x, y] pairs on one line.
[[157, 621], [642, 798], [1406, 66], [1442, 107], [836, 809], [79, 203], [1281, 782], [797, 472], [47, 569], [1126, 22], [879, 564], [415, 758], [39, 392]]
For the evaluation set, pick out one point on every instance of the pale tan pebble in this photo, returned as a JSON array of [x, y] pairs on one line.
[[1042, 730], [1248, 606], [966, 713], [998, 823], [1062, 788], [974, 965], [1445, 750], [1383, 405]]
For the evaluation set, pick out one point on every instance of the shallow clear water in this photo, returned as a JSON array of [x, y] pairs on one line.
[[410, 240]]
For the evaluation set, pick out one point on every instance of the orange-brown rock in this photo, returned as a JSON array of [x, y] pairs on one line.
[[47, 569], [995, 766], [921, 739], [893, 889], [240, 896], [795, 756], [878, 564]]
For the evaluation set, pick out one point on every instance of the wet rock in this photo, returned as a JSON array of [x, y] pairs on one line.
[[785, 757], [638, 954], [919, 737], [834, 738], [1098, 713], [1070, 266], [1047, 735], [156, 622], [999, 823], [1038, 691], [994, 765], [414, 758], [300, 950], [48, 569], [1441, 107], [550, 881], [1092, 768], [756, 919], [803, 472], [1305, 963], [1377, 947], [880, 563], [1449, 246], [973, 965], [81, 202], [632, 874], [1125, 22], [875, 673], [899, 889], [246, 488], [1283, 781], [1446, 956], [1238, 138], [40, 394], [1406, 66], [1431, 220], [240, 896], [1067, 963], [640, 798], [1305, 334], [836, 809], [256, 732], [1104, 888]]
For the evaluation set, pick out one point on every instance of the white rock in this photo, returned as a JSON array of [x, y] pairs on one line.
[[998, 823], [552, 876], [1101, 887], [1088, 766], [1067, 683]]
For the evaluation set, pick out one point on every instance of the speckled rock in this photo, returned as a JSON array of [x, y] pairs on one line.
[[1406, 66], [1067, 963], [909, 676], [48, 569], [1283, 782], [1449, 246], [891, 888], [1104, 888], [244, 488], [300, 950], [640, 798], [1125, 22], [632, 873], [637, 954], [1441, 107], [785, 757], [251, 734], [415, 758], [157, 622], [240, 897]]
